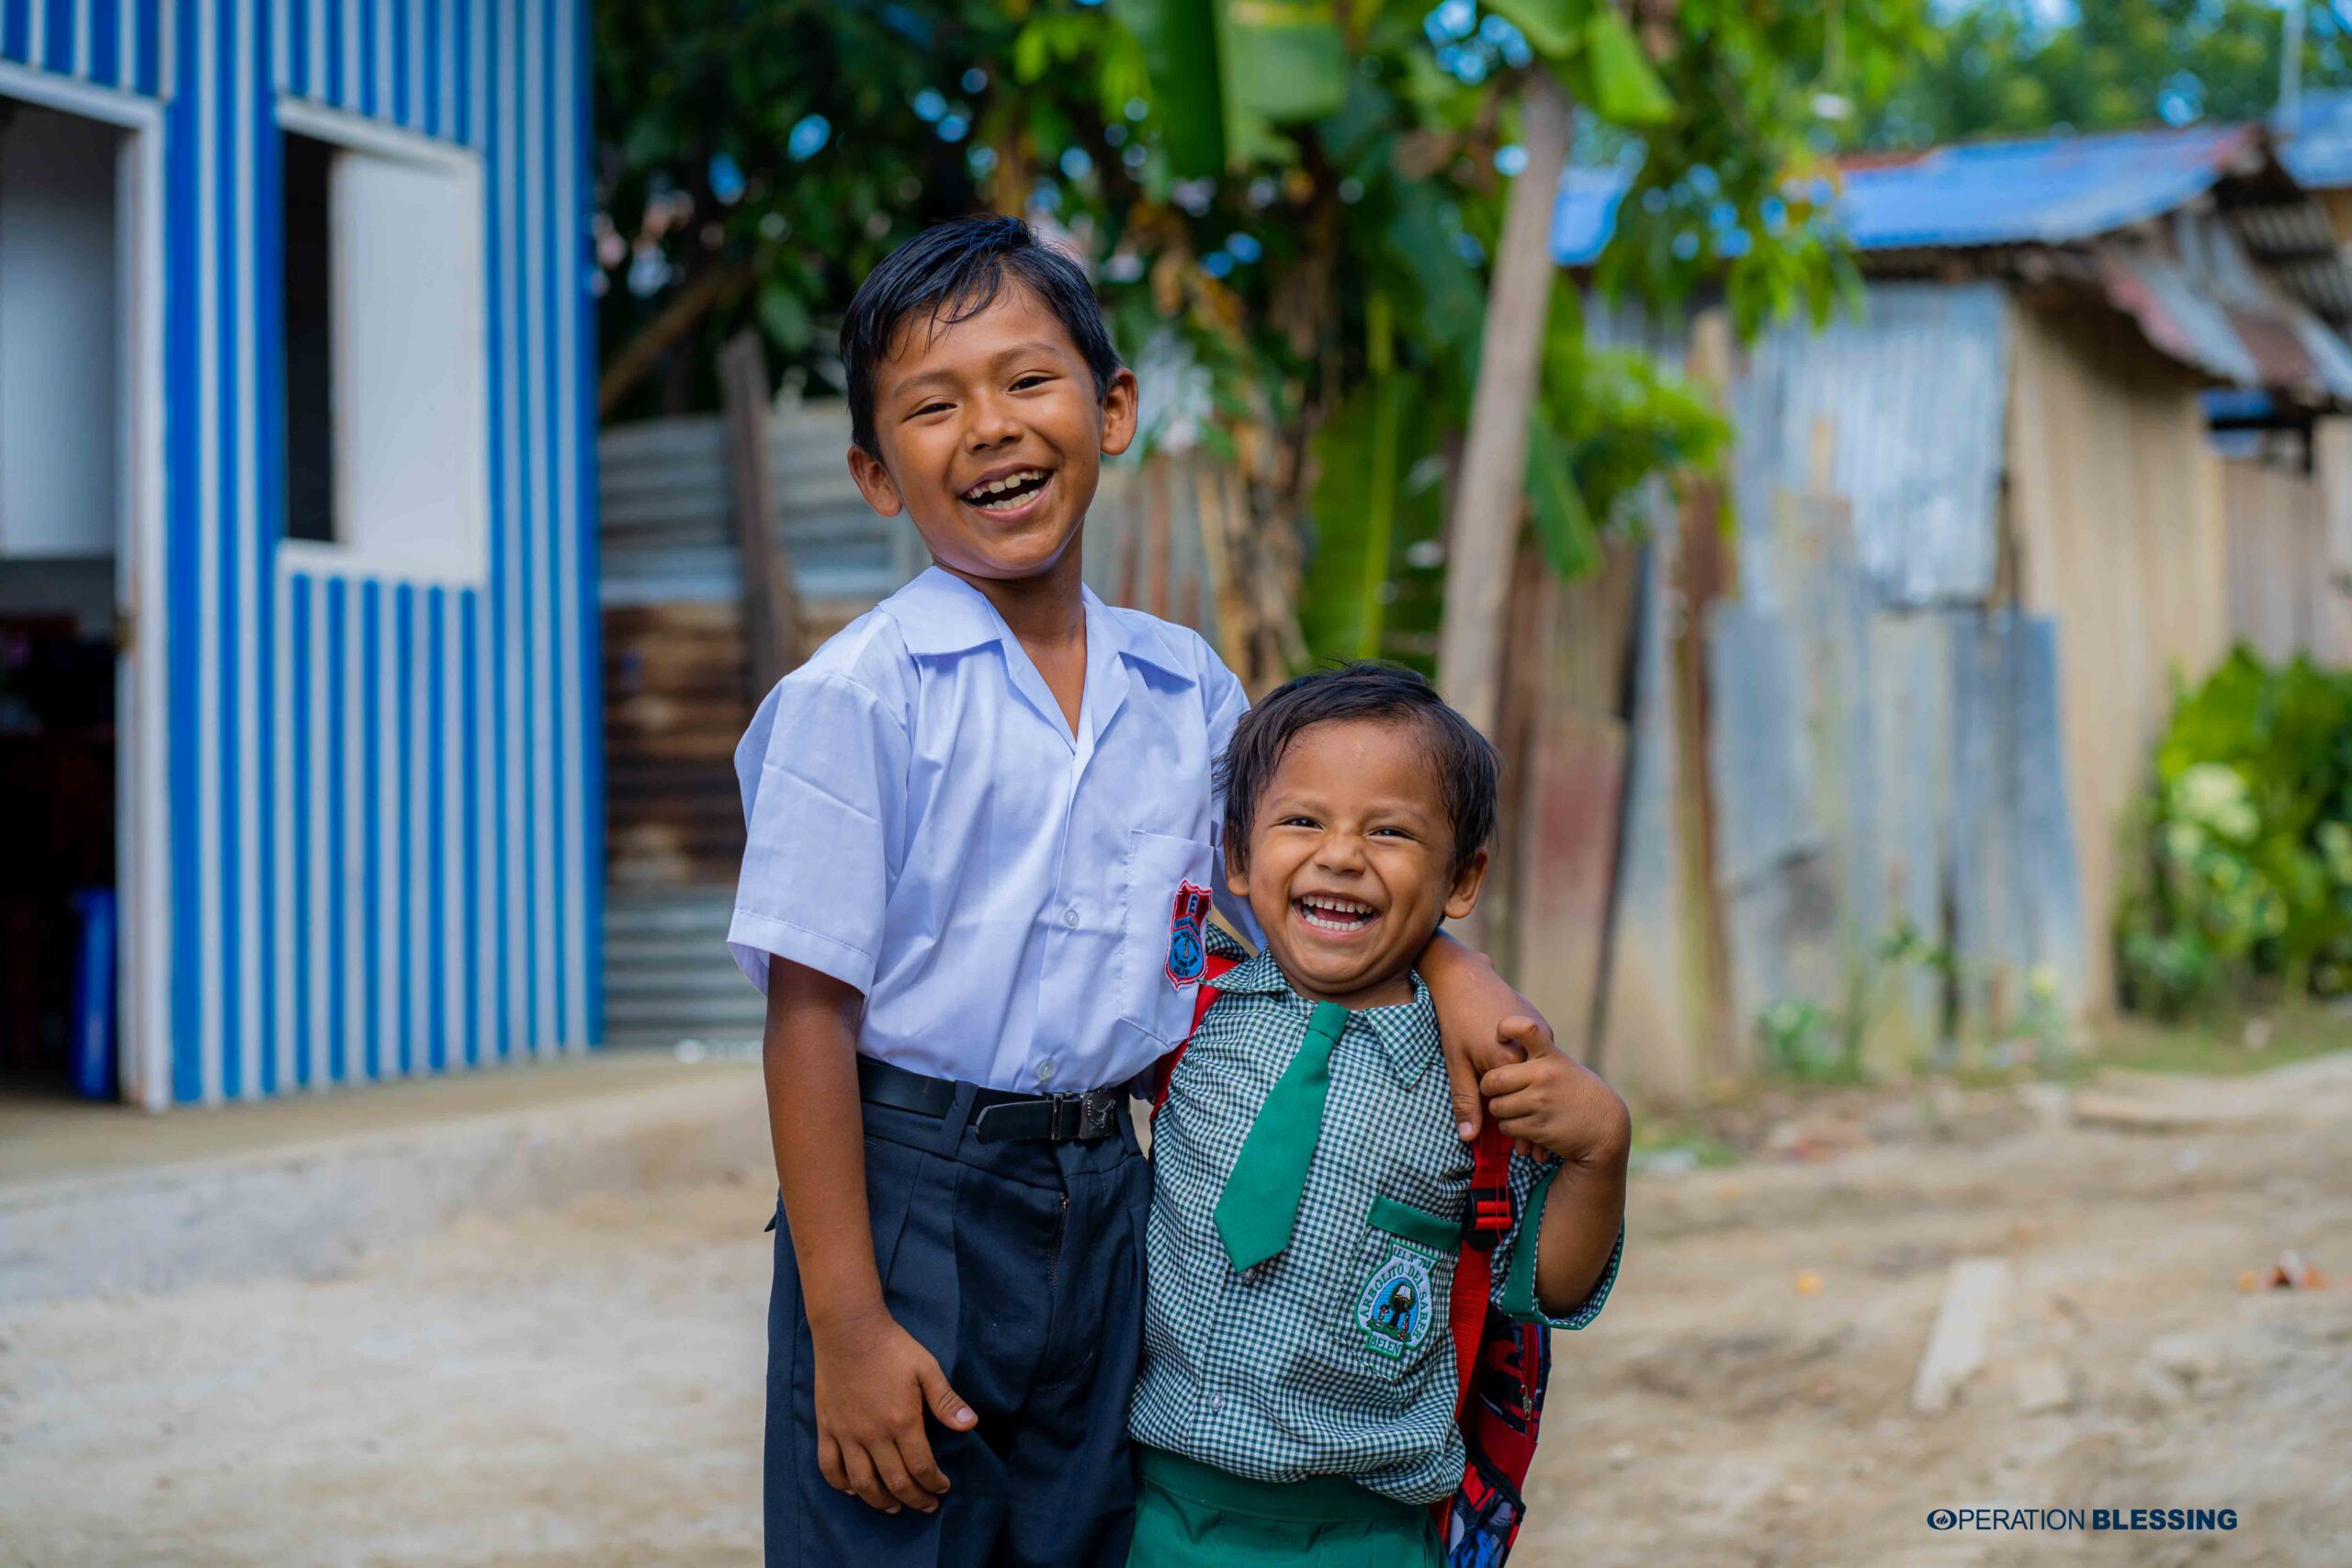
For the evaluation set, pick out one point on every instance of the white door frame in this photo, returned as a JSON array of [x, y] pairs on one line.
[[142, 900]]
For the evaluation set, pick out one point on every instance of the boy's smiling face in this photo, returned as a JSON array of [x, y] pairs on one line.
[[992, 436], [1350, 860]]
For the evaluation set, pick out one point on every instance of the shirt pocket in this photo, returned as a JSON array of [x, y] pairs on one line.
[[1394, 1318], [1161, 933]]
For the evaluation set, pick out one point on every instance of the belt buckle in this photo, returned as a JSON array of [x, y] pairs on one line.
[[1097, 1114]]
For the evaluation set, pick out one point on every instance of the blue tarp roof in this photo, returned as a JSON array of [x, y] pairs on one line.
[[2051, 190], [2316, 143]]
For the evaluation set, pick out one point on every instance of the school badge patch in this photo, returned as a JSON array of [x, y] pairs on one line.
[[1397, 1304], [1187, 953]]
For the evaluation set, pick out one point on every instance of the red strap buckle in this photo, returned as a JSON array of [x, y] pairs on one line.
[[1489, 1217]]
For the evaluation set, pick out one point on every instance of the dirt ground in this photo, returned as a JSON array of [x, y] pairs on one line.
[[582, 1387]]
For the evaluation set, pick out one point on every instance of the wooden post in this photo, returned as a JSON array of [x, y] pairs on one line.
[[771, 603], [1494, 458]]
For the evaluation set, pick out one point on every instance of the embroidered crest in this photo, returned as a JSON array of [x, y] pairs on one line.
[[1186, 952], [1397, 1304]]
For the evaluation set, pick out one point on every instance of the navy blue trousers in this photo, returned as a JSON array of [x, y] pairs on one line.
[[1020, 1267]]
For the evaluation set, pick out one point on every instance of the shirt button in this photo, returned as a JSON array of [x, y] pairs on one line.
[[1216, 1403], [1070, 917], [1045, 1070]]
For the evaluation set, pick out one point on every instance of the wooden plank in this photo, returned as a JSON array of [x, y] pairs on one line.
[[1646, 1028], [1778, 884], [670, 620], [1755, 749], [706, 746], [2051, 891], [1567, 853], [1701, 571], [661, 713], [771, 607], [1975, 1297], [1910, 702]]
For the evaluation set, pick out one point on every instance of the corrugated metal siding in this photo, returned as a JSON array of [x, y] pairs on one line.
[[669, 539], [123, 44], [1910, 401], [382, 858]]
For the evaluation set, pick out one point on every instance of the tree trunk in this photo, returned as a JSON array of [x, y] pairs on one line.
[[771, 598], [669, 327], [1494, 458]]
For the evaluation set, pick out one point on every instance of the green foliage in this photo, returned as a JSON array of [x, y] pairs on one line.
[[2007, 69], [1249, 180], [784, 135], [1805, 1042], [1812, 1042], [2247, 843], [1610, 421], [1734, 189]]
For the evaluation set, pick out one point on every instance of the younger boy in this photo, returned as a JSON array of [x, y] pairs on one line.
[[981, 843], [1297, 1397]]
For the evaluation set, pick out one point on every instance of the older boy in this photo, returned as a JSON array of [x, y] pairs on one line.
[[981, 848], [1297, 1397]]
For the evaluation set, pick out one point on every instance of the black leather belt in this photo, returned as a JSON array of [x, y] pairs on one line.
[[999, 1115]]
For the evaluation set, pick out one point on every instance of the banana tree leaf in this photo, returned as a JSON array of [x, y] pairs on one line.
[[1280, 62], [1625, 91], [1562, 521], [1370, 503], [1549, 25], [1178, 38]]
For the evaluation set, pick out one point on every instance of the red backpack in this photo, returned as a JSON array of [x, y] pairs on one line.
[[1504, 1365]]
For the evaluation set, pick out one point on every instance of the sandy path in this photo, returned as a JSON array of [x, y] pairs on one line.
[[582, 1387]]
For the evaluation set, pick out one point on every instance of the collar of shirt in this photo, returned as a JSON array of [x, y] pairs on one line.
[[941, 615], [1407, 1030]]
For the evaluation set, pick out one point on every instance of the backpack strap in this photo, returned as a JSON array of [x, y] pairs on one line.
[[1163, 1072], [1474, 1275]]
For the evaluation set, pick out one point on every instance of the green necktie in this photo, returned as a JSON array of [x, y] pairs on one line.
[[1260, 1199]]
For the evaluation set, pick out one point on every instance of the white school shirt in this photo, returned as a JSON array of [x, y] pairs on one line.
[[923, 824]]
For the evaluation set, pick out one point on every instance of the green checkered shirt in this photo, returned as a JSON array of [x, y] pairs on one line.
[[1333, 1358]]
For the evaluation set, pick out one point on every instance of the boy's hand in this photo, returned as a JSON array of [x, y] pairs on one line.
[[1554, 1103], [1474, 1004], [875, 1381]]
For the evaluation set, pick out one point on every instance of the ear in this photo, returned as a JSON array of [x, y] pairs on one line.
[[1119, 412], [875, 483], [1464, 897], [1236, 873]]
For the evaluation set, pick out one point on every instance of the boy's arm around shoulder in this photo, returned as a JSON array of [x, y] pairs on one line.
[[874, 1381], [1478, 1012], [1560, 1106]]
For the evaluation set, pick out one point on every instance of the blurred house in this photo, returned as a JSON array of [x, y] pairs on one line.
[[296, 548], [1979, 531]]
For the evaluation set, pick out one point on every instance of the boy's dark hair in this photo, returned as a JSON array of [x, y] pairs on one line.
[[950, 273], [1467, 769]]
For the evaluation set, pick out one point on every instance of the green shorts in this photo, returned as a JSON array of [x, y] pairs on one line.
[[1190, 1515]]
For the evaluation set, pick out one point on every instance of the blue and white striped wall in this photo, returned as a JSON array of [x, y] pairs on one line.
[[378, 798]]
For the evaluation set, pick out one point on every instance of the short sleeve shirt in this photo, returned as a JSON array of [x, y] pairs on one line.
[[1023, 905], [1333, 1358]]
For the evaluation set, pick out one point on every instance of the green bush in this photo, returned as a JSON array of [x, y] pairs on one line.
[[2245, 842]]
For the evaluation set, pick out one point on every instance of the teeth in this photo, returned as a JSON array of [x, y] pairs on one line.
[[1329, 914], [1009, 482]]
